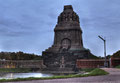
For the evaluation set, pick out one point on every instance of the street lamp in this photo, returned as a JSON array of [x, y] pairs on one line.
[[105, 63]]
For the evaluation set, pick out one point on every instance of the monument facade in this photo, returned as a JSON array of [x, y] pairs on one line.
[[68, 43]]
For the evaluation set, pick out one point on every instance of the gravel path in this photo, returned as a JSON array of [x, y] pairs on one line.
[[113, 77]]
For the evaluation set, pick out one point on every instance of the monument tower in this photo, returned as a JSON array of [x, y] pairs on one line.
[[68, 44]]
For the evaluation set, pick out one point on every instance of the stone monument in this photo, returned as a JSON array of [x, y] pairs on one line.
[[68, 44]]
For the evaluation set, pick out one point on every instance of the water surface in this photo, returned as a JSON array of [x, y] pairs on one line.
[[23, 75]]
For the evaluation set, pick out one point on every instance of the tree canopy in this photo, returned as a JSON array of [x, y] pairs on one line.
[[116, 55], [19, 56]]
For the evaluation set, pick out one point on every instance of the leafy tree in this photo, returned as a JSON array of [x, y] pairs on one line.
[[19, 56], [116, 55]]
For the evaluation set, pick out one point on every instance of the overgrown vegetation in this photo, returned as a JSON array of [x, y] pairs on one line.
[[117, 66], [95, 72], [93, 57], [18, 56], [15, 70], [116, 55]]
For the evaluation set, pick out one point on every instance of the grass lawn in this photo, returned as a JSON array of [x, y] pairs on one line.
[[94, 72], [87, 69]]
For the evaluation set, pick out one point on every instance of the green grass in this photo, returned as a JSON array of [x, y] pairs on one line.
[[98, 71], [87, 69], [14, 70], [95, 72], [117, 66]]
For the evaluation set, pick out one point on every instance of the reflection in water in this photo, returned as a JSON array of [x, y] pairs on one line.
[[23, 75], [11, 75]]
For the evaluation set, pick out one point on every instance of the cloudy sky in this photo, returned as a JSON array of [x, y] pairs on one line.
[[27, 25]]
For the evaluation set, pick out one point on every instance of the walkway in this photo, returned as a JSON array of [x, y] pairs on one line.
[[113, 77]]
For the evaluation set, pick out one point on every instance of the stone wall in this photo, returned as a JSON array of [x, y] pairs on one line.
[[80, 63], [90, 63], [21, 64], [115, 62]]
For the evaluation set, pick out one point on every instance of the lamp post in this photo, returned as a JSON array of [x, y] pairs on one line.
[[105, 63]]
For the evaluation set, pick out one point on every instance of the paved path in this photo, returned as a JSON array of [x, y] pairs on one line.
[[113, 77]]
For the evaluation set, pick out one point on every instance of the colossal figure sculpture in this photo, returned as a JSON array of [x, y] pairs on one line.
[[68, 44]]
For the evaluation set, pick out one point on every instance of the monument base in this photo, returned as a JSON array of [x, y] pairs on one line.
[[65, 60]]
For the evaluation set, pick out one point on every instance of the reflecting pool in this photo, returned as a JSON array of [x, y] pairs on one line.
[[23, 75]]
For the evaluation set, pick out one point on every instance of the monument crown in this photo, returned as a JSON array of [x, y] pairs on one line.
[[68, 15], [68, 7]]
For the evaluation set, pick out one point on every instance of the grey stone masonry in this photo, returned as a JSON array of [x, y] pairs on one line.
[[68, 44]]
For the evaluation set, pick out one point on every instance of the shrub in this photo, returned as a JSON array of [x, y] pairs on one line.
[[117, 66]]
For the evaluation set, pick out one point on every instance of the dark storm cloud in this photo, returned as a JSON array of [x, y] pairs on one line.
[[28, 25]]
